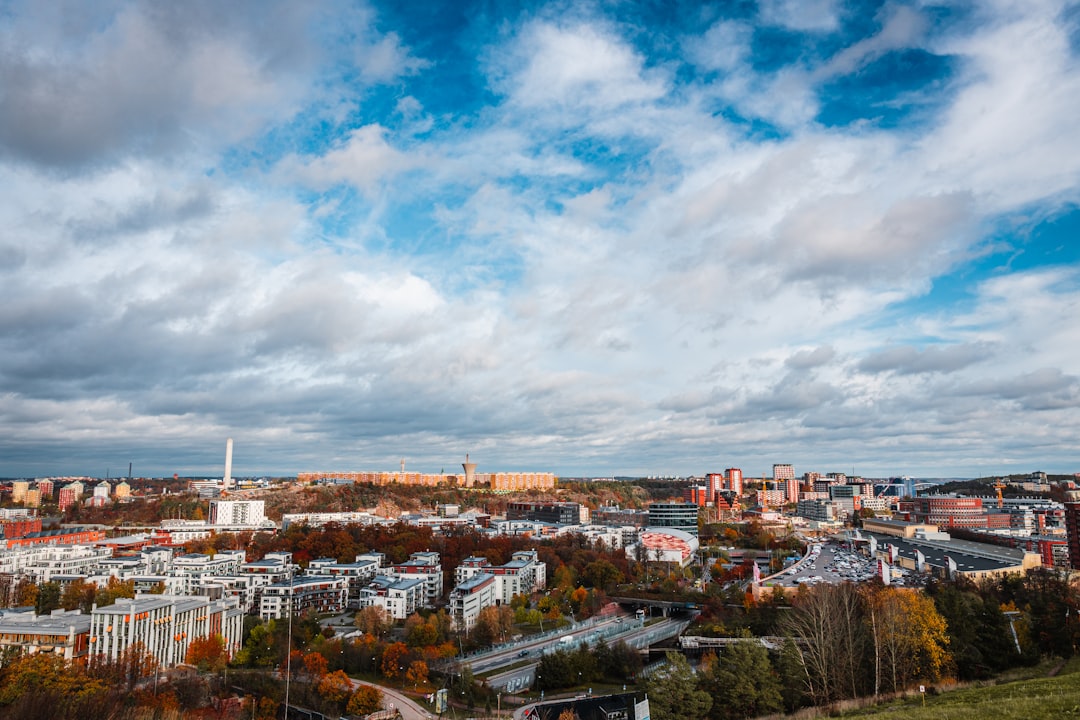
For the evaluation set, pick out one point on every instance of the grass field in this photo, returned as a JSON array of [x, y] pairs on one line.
[[1037, 698]]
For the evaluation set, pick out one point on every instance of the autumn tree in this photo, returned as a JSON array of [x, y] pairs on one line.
[[374, 620], [366, 700], [315, 665], [335, 687], [417, 674], [114, 589], [909, 638], [79, 595], [207, 653], [393, 659]]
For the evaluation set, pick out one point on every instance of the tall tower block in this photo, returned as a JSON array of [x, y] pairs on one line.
[[470, 471], [227, 482]]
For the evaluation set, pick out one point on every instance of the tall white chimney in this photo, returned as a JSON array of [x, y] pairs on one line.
[[226, 482]]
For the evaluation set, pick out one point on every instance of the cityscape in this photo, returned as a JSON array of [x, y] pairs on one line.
[[543, 594], [540, 360]]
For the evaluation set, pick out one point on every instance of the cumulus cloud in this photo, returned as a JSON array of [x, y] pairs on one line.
[[289, 233]]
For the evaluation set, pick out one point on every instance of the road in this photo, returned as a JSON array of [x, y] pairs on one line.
[[637, 637], [409, 709]]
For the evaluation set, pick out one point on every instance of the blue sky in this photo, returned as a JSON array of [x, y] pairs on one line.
[[607, 238]]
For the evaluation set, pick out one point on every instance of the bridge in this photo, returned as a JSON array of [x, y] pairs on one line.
[[666, 607]]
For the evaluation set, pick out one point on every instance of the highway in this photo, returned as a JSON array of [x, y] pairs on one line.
[[635, 636]]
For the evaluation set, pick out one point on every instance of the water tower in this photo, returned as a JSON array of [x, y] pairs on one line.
[[470, 471]]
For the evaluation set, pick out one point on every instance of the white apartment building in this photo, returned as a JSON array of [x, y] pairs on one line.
[[320, 519], [319, 593], [188, 571], [165, 625], [63, 633], [237, 512], [400, 598], [470, 597], [523, 575], [424, 566], [357, 574], [42, 562]]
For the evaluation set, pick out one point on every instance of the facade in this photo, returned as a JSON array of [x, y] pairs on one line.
[[949, 511], [318, 593], [19, 489], [734, 478], [357, 575], [163, 625], [822, 511], [190, 571], [400, 598], [468, 598], [320, 519], [237, 512], [62, 536], [1072, 532], [523, 575], [65, 634], [679, 516], [423, 566], [67, 497], [665, 545], [556, 513]]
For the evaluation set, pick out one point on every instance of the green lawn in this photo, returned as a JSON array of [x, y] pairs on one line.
[[1032, 699]]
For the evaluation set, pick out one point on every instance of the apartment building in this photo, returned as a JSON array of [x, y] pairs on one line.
[[303, 594], [468, 598], [425, 566], [64, 634], [399, 597], [164, 625]]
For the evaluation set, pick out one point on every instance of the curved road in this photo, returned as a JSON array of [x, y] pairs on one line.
[[410, 710]]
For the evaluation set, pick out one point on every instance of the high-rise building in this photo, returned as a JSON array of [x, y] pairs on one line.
[[783, 472], [45, 487], [1072, 531], [734, 479], [18, 491]]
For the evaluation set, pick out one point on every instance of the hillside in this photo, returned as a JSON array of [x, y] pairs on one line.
[[1029, 699]]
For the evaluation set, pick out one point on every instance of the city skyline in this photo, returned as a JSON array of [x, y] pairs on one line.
[[590, 239]]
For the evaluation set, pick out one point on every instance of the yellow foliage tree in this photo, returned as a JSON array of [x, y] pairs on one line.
[[365, 700], [335, 686]]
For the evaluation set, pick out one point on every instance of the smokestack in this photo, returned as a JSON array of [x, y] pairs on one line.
[[226, 482], [129, 471]]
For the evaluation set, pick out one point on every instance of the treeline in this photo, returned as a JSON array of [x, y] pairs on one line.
[[847, 640]]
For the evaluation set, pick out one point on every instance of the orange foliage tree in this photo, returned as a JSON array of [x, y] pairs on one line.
[[207, 653]]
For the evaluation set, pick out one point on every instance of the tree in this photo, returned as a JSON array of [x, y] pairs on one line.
[[374, 620], [909, 638], [315, 665], [742, 683], [365, 700], [48, 598], [673, 693], [393, 659], [207, 653], [114, 589], [417, 674], [258, 651], [827, 622], [335, 687], [79, 595], [602, 574]]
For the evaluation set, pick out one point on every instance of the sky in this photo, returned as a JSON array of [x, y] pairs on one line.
[[590, 238]]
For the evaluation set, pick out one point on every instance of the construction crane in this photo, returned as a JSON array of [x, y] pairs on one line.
[[999, 486]]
